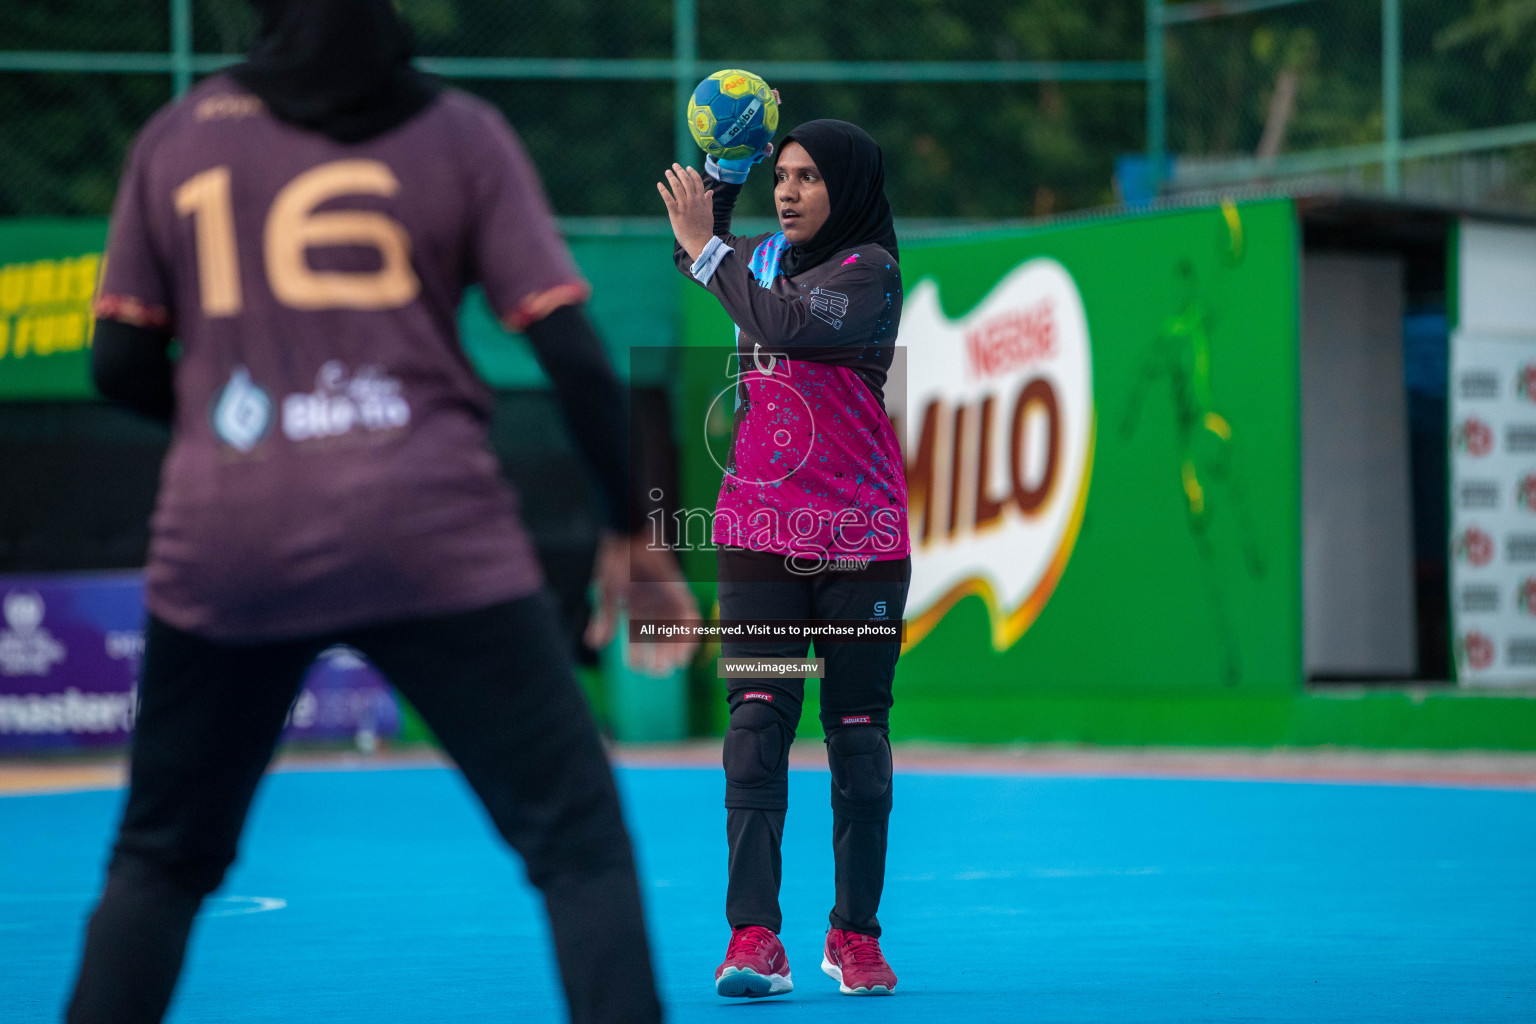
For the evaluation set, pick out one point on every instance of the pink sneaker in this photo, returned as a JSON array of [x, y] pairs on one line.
[[755, 965], [855, 960]]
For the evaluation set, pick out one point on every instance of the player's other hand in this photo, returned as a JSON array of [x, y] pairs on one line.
[[690, 207], [648, 584]]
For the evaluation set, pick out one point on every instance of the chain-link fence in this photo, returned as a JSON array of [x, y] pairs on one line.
[[1427, 99], [987, 111]]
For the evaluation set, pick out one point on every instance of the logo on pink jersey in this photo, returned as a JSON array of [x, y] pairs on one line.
[[829, 306]]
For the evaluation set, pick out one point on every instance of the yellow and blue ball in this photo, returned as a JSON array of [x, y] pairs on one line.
[[732, 114]]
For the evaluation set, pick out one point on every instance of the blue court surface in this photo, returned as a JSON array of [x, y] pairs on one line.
[[382, 895]]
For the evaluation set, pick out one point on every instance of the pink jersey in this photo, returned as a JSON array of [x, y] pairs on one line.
[[815, 465], [330, 464], [815, 470]]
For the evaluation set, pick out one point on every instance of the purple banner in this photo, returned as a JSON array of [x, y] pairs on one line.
[[70, 648], [344, 697]]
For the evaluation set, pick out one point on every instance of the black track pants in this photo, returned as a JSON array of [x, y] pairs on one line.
[[495, 686], [855, 712]]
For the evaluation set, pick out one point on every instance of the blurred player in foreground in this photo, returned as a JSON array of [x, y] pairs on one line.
[[305, 225], [811, 522]]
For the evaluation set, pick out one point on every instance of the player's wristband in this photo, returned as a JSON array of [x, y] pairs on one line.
[[732, 172], [704, 267]]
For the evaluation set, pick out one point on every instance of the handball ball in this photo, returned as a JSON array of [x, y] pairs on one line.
[[732, 114]]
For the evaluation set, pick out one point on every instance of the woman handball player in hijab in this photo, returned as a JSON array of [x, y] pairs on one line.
[[811, 521]]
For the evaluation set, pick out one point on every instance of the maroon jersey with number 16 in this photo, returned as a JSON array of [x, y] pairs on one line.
[[329, 465]]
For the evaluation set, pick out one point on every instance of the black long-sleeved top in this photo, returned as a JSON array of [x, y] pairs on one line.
[[815, 467], [843, 312]]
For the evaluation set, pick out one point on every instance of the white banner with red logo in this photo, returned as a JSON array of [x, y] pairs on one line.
[[1493, 507]]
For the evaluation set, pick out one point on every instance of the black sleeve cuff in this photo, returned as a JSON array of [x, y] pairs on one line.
[[725, 203], [132, 365], [596, 407]]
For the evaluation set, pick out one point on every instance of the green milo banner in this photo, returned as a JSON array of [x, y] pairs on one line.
[[1102, 448]]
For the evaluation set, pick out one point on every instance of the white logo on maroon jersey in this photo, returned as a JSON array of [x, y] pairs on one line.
[[369, 399], [242, 412]]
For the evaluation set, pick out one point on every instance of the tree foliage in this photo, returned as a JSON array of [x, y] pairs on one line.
[[954, 150]]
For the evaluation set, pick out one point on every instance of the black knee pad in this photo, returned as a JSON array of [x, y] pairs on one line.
[[756, 757], [860, 758]]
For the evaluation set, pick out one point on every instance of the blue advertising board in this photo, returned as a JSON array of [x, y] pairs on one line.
[[70, 651]]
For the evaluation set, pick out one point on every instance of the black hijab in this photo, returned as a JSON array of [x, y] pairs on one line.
[[851, 164], [338, 67]]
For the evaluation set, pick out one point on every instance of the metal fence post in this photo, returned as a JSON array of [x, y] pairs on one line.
[[685, 55], [1391, 95], [1157, 128], [181, 46]]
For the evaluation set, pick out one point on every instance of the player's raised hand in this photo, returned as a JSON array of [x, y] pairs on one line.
[[690, 207]]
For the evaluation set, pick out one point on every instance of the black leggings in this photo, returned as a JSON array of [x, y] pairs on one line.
[[495, 685], [855, 715]]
